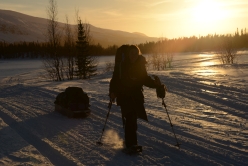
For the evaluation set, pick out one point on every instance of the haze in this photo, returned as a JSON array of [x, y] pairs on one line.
[[156, 18]]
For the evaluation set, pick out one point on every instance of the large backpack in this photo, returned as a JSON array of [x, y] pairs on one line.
[[121, 58], [121, 52]]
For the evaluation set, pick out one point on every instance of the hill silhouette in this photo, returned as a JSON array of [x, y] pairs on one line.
[[15, 26]]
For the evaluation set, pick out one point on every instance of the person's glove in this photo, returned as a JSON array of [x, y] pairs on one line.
[[160, 88], [161, 91], [112, 97]]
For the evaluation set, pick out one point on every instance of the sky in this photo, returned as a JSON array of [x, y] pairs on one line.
[[155, 18]]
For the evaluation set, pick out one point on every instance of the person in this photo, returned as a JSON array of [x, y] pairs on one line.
[[126, 88]]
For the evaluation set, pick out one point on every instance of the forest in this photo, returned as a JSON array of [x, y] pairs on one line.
[[209, 42]]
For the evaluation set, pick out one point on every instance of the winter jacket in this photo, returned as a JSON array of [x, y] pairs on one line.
[[127, 82]]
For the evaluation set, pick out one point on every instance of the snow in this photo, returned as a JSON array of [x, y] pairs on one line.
[[206, 101], [18, 27]]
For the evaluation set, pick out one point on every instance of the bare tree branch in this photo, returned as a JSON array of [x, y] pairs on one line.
[[54, 37]]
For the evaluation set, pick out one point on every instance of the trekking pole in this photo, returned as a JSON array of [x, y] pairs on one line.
[[109, 107], [163, 103]]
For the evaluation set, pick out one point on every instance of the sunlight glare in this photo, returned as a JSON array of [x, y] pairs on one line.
[[207, 63], [205, 72], [208, 12], [207, 59]]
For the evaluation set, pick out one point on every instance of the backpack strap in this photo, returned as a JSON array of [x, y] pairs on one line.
[[123, 122], [122, 60]]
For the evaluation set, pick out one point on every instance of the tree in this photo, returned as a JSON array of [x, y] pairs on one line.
[[69, 46], [162, 55], [54, 63], [227, 53], [86, 64]]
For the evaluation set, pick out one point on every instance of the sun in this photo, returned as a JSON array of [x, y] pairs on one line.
[[208, 12]]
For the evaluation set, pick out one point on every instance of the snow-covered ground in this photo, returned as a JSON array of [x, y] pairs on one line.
[[207, 103]]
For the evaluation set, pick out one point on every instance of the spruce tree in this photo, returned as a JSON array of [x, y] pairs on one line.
[[86, 66]]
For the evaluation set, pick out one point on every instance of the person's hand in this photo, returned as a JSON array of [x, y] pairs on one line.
[[161, 91], [112, 97], [157, 82]]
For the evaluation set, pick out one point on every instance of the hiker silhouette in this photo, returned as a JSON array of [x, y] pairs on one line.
[[126, 84]]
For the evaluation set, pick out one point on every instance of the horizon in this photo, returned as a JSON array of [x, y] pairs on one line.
[[167, 18]]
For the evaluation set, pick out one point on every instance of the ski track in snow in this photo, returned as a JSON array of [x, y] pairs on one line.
[[209, 119]]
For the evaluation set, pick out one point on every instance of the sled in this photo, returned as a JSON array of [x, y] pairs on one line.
[[72, 114]]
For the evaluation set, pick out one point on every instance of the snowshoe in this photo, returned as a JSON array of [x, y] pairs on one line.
[[132, 150]]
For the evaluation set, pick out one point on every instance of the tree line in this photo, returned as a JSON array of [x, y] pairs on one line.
[[197, 44], [182, 44], [19, 50]]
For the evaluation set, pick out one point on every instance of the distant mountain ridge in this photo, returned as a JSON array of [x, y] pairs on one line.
[[15, 26]]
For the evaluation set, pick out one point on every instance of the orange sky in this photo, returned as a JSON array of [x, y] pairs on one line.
[[156, 18]]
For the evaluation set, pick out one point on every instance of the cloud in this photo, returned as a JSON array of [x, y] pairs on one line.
[[10, 6], [160, 2], [25, 9], [112, 13]]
